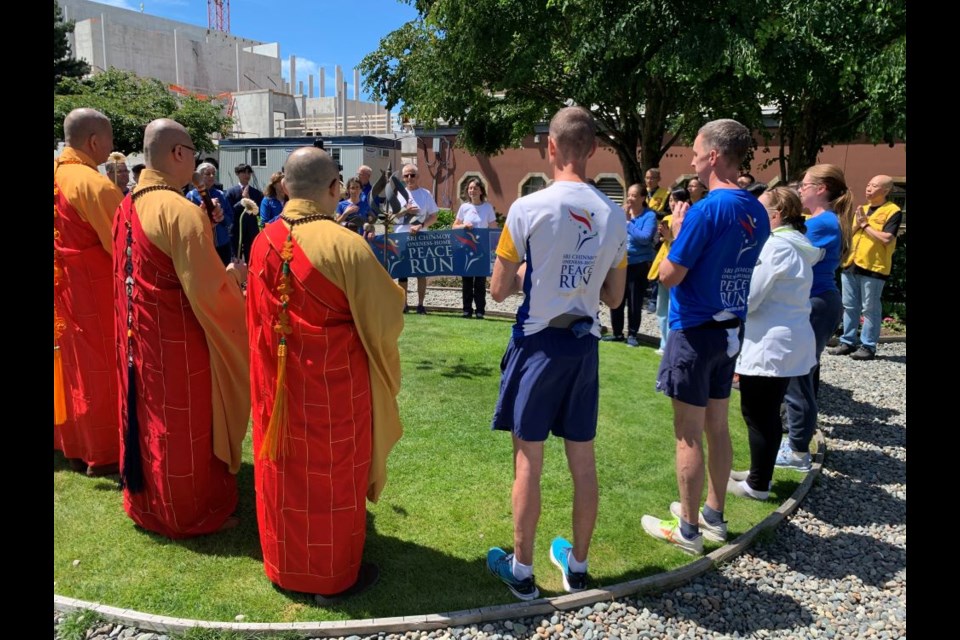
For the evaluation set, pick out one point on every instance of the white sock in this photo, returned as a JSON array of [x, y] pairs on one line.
[[521, 571], [575, 565]]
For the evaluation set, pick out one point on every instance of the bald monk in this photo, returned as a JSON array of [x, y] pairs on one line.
[[84, 203], [324, 376], [867, 268], [183, 346]]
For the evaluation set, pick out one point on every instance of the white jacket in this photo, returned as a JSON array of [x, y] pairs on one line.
[[778, 339]]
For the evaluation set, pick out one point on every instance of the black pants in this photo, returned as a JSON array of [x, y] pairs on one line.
[[474, 293], [760, 399], [225, 253], [636, 288]]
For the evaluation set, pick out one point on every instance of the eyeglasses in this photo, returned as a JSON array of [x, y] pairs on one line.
[[409, 175], [183, 145]]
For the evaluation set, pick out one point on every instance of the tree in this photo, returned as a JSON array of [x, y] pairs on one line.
[[131, 102], [64, 65], [498, 67], [836, 70]]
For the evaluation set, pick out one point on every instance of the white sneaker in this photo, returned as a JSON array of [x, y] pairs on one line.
[[669, 530], [740, 476], [743, 490], [791, 459], [715, 532], [659, 352]]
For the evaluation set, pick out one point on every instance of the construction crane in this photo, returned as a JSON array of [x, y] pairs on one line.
[[218, 15]]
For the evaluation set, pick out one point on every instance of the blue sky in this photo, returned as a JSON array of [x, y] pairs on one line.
[[320, 33]]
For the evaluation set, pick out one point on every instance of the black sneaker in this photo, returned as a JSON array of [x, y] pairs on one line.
[[843, 349], [421, 311], [368, 576], [863, 353], [467, 314], [479, 315], [613, 338], [406, 308]]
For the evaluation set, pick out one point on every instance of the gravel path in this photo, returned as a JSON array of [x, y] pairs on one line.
[[835, 569]]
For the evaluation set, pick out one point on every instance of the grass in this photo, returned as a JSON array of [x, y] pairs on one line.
[[76, 624], [447, 500]]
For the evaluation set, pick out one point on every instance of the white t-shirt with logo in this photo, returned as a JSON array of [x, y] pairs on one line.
[[571, 235], [478, 215], [424, 200]]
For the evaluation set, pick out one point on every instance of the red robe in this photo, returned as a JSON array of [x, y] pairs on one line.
[[311, 501], [188, 491], [84, 299]]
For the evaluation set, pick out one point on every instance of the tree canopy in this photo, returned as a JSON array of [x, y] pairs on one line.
[[64, 65], [651, 71], [132, 102]]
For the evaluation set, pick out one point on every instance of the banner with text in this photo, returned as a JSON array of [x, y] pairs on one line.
[[452, 252]]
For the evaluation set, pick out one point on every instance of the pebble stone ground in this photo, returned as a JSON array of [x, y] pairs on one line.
[[835, 569]]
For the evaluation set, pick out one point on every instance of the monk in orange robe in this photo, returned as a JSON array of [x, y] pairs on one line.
[[324, 319], [84, 203], [182, 343]]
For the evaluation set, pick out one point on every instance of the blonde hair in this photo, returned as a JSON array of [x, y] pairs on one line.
[[787, 202], [841, 200]]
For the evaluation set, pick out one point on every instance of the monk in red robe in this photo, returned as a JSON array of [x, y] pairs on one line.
[[324, 319], [182, 344], [85, 387]]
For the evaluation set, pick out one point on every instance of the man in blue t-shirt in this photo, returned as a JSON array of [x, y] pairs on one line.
[[717, 242]]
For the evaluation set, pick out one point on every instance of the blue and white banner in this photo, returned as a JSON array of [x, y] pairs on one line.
[[454, 252]]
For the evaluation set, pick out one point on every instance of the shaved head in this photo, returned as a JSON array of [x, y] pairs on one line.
[[310, 173], [89, 131], [80, 124], [167, 147], [884, 182]]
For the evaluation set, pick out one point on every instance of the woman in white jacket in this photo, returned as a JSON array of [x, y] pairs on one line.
[[778, 341]]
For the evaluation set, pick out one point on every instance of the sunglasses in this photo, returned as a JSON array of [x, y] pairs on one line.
[[409, 175]]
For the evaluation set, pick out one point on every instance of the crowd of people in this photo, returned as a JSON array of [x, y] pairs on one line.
[[176, 318]]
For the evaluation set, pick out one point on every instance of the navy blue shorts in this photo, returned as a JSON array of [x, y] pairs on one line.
[[549, 384], [695, 365]]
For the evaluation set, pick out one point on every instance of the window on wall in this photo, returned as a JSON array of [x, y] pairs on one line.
[[532, 184], [258, 156], [611, 188], [335, 154], [898, 194]]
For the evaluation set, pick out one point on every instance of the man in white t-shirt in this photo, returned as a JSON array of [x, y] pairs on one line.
[[564, 247], [416, 215]]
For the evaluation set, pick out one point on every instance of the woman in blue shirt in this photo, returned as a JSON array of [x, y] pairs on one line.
[[641, 230], [274, 197], [824, 193]]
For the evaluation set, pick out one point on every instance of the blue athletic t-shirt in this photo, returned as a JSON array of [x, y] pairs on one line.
[[719, 244], [823, 232]]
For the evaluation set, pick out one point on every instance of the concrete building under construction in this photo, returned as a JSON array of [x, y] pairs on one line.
[[245, 74]]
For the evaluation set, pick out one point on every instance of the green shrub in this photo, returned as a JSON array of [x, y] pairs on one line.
[[445, 218]]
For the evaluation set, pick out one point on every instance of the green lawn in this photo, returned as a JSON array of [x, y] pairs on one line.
[[446, 502]]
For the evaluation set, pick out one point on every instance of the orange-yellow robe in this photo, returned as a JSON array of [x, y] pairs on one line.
[[85, 202], [190, 358], [342, 379]]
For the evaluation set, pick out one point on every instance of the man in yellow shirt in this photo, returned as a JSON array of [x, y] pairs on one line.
[[657, 196], [866, 270]]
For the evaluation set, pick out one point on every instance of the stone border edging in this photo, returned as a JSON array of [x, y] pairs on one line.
[[429, 622]]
